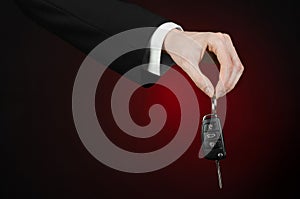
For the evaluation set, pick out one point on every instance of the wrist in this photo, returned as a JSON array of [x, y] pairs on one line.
[[170, 38]]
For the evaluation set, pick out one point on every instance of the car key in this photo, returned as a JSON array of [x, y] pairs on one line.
[[212, 138]]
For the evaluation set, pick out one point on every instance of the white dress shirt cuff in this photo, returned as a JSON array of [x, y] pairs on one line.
[[156, 43]]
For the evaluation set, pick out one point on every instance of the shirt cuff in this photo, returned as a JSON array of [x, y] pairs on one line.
[[156, 43]]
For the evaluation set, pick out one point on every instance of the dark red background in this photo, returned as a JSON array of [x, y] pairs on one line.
[[44, 158]]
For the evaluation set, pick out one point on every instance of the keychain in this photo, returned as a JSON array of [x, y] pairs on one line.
[[212, 138]]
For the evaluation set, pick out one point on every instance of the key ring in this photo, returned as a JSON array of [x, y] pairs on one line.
[[213, 108], [214, 105]]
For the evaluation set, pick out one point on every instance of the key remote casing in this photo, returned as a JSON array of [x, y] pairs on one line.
[[212, 138]]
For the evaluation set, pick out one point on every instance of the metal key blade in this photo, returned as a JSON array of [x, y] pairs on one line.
[[219, 173]]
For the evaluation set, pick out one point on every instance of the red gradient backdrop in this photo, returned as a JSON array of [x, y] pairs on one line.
[[44, 157]]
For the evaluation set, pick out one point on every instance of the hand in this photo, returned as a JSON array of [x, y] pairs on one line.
[[187, 50]]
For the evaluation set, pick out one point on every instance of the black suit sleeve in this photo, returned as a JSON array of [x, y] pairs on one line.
[[86, 23]]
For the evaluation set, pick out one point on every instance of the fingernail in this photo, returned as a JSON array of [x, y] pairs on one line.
[[209, 91]]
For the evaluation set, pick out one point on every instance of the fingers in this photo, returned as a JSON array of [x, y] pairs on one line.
[[231, 66], [187, 48], [238, 68], [187, 53], [199, 79], [217, 45]]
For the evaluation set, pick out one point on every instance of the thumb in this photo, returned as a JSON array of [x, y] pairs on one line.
[[199, 79], [206, 86]]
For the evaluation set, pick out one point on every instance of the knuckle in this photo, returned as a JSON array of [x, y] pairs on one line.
[[228, 86], [226, 36], [223, 36], [230, 68], [210, 36], [240, 68], [218, 41], [219, 34]]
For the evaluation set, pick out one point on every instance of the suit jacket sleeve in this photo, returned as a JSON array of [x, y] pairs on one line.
[[86, 23]]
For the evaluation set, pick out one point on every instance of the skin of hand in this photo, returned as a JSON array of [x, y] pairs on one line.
[[187, 49]]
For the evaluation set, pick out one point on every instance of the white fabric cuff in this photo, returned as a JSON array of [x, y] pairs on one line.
[[156, 43]]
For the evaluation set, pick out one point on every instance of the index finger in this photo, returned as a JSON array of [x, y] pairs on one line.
[[217, 45]]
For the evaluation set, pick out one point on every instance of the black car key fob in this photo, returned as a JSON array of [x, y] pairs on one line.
[[213, 147], [212, 138]]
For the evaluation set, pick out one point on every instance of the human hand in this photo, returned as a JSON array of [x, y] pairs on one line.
[[187, 50]]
